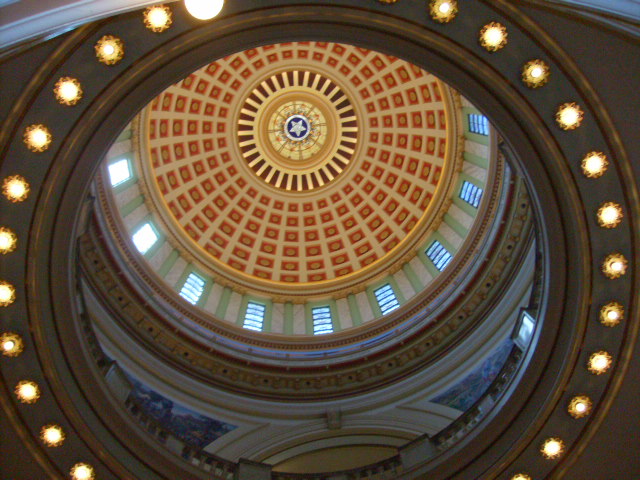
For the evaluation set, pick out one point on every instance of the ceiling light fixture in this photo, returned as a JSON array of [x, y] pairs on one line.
[[535, 73], [8, 240], [599, 362], [204, 9], [27, 391], [68, 91], [443, 11], [52, 435], [614, 266], [552, 448], [611, 314], [12, 344], [7, 294], [521, 476], [594, 164], [15, 188], [580, 406], [109, 50], [37, 138], [158, 18], [82, 471], [609, 215], [493, 36], [569, 116]]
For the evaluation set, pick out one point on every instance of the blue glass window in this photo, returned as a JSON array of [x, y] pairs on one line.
[[478, 124], [193, 288], [471, 194], [439, 255], [386, 298], [322, 320], [254, 316]]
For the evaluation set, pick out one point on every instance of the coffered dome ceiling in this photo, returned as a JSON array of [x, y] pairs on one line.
[[346, 157]]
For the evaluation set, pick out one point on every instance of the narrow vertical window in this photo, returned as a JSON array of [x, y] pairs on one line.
[[386, 298], [478, 124], [144, 238], [254, 316], [321, 320], [119, 172], [439, 255], [471, 194], [193, 288]]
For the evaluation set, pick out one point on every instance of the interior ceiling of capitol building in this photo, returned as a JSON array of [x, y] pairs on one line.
[[323, 241]]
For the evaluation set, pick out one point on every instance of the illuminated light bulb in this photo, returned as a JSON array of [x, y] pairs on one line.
[[610, 215], [8, 240], [68, 91], [15, 188], [580, 406], [204, 9], [82, 471], [37, 138], [599, 362], [552, 448], [109, 50], [611, 314], [7, 294], [614, 266], [443, 11], [12, 344], [535, 73], [569, 116], [594, 164], [158, 18], [52, 435], [27, 391], [521, 476], [493, 36]]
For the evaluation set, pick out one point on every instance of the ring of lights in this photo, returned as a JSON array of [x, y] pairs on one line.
[[320, 154], [55, 344]]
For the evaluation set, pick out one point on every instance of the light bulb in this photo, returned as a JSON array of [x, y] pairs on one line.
[[68, 91], [109, 50], [52, 435], [37, 138], [552, 448], [204, 9], [7, 294], [15, 188], [610, 215], [594, 164], [8, 240], [569, 116], [158, 18], [580, 406], [599, 362], [493, 36], [27, 392], [82, 471]]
